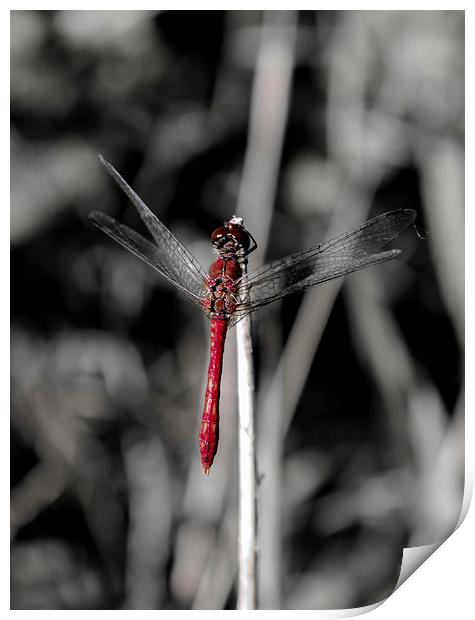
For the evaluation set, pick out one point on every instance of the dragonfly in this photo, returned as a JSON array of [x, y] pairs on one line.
[[226, 293]]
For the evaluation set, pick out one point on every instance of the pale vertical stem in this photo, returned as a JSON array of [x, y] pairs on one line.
[[270, 99], [247, 581]]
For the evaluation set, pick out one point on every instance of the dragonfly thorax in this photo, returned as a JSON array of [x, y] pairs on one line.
[[222, 286]]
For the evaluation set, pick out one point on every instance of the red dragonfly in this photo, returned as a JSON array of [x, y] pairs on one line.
[[226, 295]]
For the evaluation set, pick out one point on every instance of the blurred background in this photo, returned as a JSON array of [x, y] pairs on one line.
[[305, 124]]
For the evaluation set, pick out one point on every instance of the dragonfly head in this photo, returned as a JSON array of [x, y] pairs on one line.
[[232, 238]]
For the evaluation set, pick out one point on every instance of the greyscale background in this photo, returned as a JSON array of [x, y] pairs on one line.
[[327, 118]]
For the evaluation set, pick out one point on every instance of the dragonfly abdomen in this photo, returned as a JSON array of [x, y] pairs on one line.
[[209, 430]]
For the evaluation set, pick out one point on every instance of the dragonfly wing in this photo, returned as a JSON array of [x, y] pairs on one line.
[[144, 250], [352, 251], [171, 257]]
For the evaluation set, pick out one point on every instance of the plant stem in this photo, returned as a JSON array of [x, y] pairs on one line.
[[247, 582], [269, 106]]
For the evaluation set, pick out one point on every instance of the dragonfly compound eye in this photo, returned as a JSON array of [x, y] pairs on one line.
[[240, 235], [219, 236]]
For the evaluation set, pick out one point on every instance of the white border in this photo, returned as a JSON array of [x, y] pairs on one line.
[[443, 584]]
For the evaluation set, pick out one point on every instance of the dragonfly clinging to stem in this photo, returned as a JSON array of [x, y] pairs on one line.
[[226, 295]]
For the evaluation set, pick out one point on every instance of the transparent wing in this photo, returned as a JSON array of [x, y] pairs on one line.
[[168, 256], [354, 250]]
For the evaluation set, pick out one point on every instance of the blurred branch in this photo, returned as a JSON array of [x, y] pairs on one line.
[[54, 414], [268, 116], [441, 163], [434, 495], [438, 440], [150, 509], [40, 487], [379, 342], [219, 571]]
